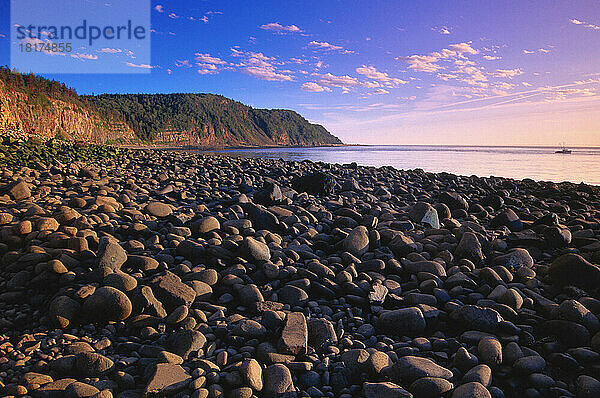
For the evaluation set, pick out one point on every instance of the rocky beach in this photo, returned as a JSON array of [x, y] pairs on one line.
[[172, 274]]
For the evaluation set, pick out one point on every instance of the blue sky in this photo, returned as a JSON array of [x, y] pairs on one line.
[[381, 72]]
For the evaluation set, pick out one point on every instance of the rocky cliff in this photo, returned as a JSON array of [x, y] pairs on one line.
[[48, 117], [49, 109]]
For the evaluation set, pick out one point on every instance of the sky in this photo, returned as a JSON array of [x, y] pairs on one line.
[[377, 72]]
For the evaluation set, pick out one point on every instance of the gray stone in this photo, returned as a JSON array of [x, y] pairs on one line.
[[471, 390], [167, 379], [384, 389], [107, 304], [277, 380], [410, 368], [111, 254], [357, 241], [294, 336], [255, 250], [402, 322]]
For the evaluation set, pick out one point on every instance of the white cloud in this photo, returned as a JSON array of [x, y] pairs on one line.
[[314, 87], [84, 56], [208, 59], [380, 91], [343, 82], [372, 73], [323, 45], [585, 24], [143, 66], [180, 63], [443, 30], [173, 15], [446, 76], [491, 57], [462, 48], [277, 27], [528, 52], [422, 63], [261, 66], [266, 73], [207, 69], [159, 8], [509, 73], [109, 50], [429, 63]]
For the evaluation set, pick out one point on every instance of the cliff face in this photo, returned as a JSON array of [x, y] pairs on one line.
[[48, 109], [48, 117]]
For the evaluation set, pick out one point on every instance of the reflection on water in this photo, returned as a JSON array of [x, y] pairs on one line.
[[538, 163]]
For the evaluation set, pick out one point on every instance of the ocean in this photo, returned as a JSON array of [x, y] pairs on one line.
[[538, 163]]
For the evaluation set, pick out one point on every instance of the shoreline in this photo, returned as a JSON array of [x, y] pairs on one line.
[[226, 274]]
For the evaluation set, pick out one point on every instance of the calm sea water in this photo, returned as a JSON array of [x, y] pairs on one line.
[[538, 163]]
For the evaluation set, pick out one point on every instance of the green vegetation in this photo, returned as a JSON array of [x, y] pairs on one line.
[[148, 115], [16, 154]]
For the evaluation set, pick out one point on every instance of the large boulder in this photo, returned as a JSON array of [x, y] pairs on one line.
[[107, 304], [402, 322], [357, 241], [509, 219], [454, 201], [294, 336], [111, 254], [171, 291], [572, 269], [64, 311], [470, 248], [166, 379], [424, 213]]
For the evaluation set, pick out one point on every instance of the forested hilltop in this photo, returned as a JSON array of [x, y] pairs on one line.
[[49, 108]]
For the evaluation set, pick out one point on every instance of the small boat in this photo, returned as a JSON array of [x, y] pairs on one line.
[[564, 150]]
